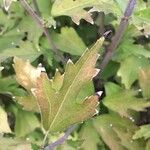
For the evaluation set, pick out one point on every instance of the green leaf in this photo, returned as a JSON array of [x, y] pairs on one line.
[[14, 144], [90, 137], [74, 9], [26, 50], [126, 140], [105, 125], [26, 122], [141, 18], [67, 41], [144, 81], [143, 132], [123, 101], [10, 39], [4, 126], [129, 69], [112, 88], [54, 105], [10, 86], [127, 47]]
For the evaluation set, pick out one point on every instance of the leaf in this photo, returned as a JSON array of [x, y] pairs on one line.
[[14, 144], [128, 47], [76, 75], [10, 39], [143, 132], [110, 6], [123, 101], [141, 18], [67, 35], [73, 8], [129, 69], [76, 9], [126, 140], [90, 137], [26, 122], [4, 126], [112, 88], [26, 50], [10, 86], [105, 125], [54, 105], [144, 81]]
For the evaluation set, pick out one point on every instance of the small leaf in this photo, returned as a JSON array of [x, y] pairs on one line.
[[68, 35], [143, 132], [144, 81], [4, 126]]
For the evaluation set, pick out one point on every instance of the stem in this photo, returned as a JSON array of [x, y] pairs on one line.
[[39, 20], [119, 34], [61, 140]]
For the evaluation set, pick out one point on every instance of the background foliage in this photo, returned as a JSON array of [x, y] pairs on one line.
[[123, 119]]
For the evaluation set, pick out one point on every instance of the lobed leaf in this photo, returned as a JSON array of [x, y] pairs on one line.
[[58, 98]]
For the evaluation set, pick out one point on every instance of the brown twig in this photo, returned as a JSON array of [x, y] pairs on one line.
[[39, 20], [119, 34]]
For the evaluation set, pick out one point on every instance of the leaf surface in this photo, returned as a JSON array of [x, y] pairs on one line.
[[58, 100], [56, 105], [117, 132]]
